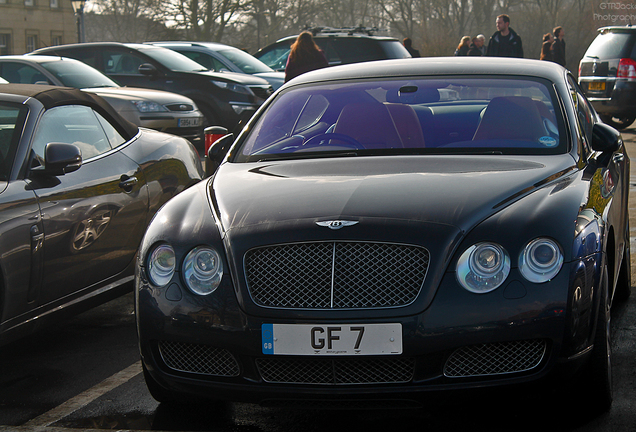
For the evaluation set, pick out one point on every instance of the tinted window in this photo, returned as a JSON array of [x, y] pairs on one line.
[[71, 124], [77, 74], [276, 58], [205, 60], [454, 115], [22, 73], [354, 50], [11, 120], [611, 45], [172, 59], [394, 49], [247, 63]]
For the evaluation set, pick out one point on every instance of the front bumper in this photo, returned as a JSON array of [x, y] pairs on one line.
[[515, 334]]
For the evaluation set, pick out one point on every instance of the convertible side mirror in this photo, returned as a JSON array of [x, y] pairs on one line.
[[217, 144], [60, 159], [605, 138]]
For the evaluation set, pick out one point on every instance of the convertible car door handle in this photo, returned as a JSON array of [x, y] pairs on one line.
[[127, 183]]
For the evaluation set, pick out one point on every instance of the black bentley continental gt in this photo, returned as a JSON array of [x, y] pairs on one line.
[[78, 186], [383, 230]]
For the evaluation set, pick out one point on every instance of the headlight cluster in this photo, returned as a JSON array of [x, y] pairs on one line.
[[148, 106], [485, 266], [202, 268]]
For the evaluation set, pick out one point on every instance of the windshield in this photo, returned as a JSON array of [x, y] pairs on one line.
[[415, 116], [246, 62], [172, 59], [611, 46], [77, 74], [12, 118]]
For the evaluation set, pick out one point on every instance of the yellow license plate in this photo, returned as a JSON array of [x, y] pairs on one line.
[[596, 86]]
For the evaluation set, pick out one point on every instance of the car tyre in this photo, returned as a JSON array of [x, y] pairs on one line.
[[617, 122], [597, 388]]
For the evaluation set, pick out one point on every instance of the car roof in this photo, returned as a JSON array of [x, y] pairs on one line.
[[212, 45], [617, 29], [52, 96], [36, 58], [437, 66]]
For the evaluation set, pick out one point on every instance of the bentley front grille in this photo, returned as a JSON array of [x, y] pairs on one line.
[[198, 359], [495, 359], [338, 371], [335, 275]]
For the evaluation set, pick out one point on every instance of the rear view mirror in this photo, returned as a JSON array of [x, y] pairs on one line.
[[605, 138], [216, 153], [60, 159], [148, 70]]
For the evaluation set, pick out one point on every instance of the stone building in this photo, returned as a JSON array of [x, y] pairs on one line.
[[26, 25]]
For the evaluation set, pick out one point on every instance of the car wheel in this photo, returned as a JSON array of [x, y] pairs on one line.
[[617, 122], [597, 378]]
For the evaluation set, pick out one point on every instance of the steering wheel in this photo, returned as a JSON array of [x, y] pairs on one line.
[[334, 136]]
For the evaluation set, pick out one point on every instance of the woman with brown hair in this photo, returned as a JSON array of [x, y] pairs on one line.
[[304, 56], [546, 53], [463, 47]]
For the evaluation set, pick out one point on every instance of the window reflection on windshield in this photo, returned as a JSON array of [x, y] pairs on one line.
[[172, 59], [78, 75], [502, 115]]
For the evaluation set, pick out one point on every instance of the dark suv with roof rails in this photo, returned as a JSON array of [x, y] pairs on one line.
[[225, 98], [340, 45], [607, 75]]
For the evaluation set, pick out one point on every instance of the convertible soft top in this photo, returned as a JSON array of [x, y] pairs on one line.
[[52, 96]]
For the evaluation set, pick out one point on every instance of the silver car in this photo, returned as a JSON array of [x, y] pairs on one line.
[[153, 109]]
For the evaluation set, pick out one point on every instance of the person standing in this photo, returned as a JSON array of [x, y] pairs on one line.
[[304, 56], [505, 42], [546, 47], [463, 47], [476, 47], [482, 40], [408, 44], [558, 46]]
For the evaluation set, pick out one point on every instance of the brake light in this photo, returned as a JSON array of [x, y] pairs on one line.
[[626, 68]]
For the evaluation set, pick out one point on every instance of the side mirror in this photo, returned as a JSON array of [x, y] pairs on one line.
[[148, 70], [216, 152], [60, 159], [605, 138]]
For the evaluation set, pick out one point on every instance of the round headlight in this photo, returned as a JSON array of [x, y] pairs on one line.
[[540, 260], [202, 270], [483, 267], [161, 265]]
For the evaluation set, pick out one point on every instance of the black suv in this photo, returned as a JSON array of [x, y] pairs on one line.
[[225, 99], [607, 75], [340, 45]]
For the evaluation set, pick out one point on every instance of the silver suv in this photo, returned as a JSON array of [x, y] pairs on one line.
[[607, 75]]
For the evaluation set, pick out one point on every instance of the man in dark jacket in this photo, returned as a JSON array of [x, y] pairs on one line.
[[558, 46], [505, 42]]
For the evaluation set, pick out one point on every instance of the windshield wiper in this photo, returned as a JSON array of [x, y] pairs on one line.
[[305, 155]]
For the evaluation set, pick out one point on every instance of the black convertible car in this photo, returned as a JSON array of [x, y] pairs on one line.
[[78, 186], [384, 230]]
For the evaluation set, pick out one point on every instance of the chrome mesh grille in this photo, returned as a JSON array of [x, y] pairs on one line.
[[180, 107], [199, 359], [341, 275], [495, 359], [336, 371]]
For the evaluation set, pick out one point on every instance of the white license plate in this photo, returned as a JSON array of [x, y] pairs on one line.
[[189, 122], [332, 339]]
